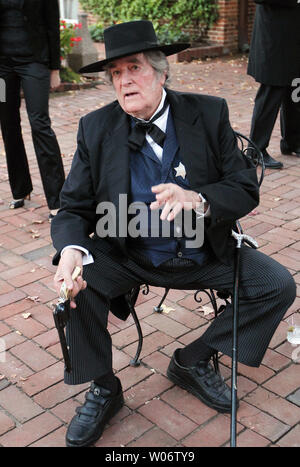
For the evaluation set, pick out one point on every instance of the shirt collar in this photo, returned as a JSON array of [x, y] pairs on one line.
[[161, 122], [162, 101]]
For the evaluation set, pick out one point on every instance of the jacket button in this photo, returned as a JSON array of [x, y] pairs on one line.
[[179, 254]]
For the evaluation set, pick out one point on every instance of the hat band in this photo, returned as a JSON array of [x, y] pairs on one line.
[[130, 50]]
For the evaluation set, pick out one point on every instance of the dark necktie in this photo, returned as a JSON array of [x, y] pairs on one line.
[[138, 132]]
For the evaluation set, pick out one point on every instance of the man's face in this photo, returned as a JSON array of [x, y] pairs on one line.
[[138, 86]]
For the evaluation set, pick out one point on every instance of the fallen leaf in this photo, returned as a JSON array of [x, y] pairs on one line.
[[166, 309], [26, 315], [207, 310], [37, 221], [33, 298], [23, 379]]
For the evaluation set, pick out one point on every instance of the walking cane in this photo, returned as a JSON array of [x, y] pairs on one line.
[[240, 239]]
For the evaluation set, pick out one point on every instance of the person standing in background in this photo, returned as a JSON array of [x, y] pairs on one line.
[[30, 58], [274, 61]]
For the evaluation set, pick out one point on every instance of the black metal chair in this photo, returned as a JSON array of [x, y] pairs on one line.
[[251, 151]]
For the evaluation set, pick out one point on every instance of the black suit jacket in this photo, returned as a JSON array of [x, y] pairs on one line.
[[274, 57], [100, 172], [42, 23]]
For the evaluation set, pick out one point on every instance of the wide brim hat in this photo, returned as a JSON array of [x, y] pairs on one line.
[[130, 38]]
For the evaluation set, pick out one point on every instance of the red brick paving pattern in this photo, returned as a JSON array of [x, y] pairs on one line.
[[36, 406]]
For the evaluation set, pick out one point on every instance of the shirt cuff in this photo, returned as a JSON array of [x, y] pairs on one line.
[[204, 212], [87, 258]]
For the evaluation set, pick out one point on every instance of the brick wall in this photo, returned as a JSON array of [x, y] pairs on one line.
[[225, 31], [251, 14]]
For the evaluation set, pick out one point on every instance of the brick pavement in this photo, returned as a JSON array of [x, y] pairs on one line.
[[36, 406]]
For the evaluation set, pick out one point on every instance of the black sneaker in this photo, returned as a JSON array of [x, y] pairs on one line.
[[88, 424], [203, 382]]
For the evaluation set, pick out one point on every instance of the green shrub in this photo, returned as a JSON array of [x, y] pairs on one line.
[[171, 18], [67, 75], [96, 32]]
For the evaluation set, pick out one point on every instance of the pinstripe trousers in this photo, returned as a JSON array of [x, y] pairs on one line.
[[267, 290]]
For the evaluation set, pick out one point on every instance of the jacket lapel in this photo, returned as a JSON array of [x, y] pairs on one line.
[[116, 154], [170, 149], [191, 138]]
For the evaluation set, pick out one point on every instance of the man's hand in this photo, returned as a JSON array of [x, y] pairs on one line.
[[175, 199], [68, 262], [54, 79]]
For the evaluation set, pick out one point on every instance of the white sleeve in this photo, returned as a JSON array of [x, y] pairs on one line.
[[87, 258]]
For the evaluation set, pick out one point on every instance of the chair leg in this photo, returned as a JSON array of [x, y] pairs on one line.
[[159, 308], [213, 301], [135, 361], [131, 299], [215, 358]]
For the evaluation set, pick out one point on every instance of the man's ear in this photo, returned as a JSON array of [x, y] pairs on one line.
[[164, 78]]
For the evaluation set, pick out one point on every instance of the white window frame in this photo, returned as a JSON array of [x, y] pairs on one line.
[[69, 10]]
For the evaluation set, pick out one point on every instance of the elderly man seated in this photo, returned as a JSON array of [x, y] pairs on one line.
[[170, 153]]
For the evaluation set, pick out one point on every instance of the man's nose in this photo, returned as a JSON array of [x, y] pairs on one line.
[[126, 78]]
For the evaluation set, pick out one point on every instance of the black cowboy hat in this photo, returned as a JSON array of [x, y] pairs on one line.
[[130, 38]]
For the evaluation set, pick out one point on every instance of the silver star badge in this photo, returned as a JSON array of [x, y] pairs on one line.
[[180, 171]]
